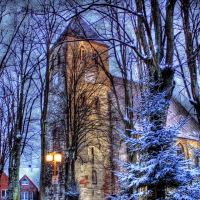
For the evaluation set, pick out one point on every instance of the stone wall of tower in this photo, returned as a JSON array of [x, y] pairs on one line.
[[92, 167], [93, 162]]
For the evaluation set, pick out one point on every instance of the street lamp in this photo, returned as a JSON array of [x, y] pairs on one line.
[[54, 157]]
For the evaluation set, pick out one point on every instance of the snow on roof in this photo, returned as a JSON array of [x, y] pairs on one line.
[[25, 176], [32, 173]]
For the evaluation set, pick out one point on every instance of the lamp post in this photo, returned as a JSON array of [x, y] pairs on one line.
[[55, 158]]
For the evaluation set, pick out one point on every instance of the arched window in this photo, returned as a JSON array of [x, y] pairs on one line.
[[180, 149], [94, 177]]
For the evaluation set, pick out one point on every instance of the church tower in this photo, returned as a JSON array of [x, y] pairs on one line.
[[78, 115]]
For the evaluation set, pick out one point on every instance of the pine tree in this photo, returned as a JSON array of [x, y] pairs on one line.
[[159, 173]]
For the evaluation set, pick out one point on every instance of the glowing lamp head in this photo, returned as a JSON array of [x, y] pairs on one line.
[[58, 157], [49, 157]]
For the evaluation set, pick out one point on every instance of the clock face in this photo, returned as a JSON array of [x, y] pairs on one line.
[[90, 77]]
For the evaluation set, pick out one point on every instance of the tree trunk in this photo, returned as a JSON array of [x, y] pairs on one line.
[[191, 57], [14, 164], [44, 106]]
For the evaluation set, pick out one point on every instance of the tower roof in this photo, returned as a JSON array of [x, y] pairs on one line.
[[79, 28]]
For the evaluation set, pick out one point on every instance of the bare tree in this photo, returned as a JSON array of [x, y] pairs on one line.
[[48, 17], [141, 32], [78, 109], [19, 94], [9, 28], [188, 52]]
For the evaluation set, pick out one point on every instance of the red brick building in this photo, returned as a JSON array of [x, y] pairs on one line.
[[3, 186], [28, 190]]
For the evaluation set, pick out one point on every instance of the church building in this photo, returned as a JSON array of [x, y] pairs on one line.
[[81, 123], [78, 114]]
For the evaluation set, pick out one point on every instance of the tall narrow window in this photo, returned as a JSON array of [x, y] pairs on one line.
[[3, 194], [31, 195], [24, 196], [82, 53], [92, 153], [94, 177], [97, 104]]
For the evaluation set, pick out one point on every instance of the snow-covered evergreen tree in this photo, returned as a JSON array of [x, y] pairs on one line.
[[159, 169]]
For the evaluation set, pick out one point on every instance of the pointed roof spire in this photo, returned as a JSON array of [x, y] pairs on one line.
[[80, 28]]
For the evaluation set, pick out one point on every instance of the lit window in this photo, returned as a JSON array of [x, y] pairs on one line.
[[25, 181], [3, 193], [94, 177], [24, 196], [31, 195]]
